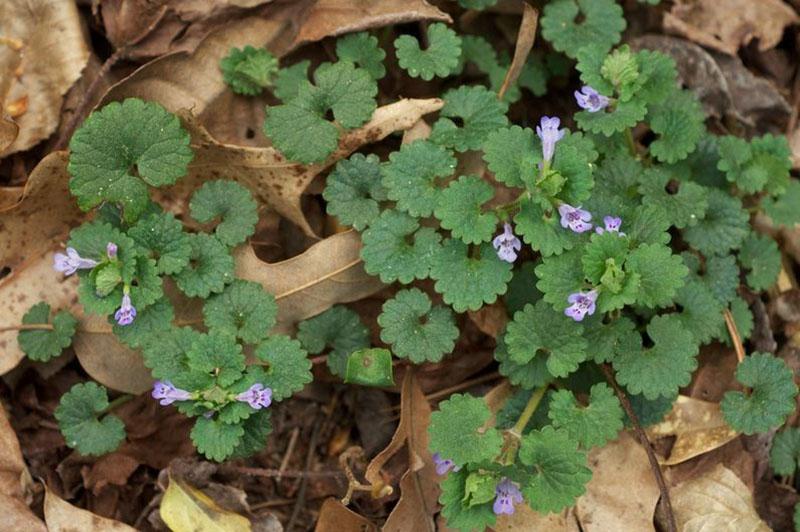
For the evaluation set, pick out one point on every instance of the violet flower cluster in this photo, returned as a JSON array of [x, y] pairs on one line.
[[591, 100], [507, 495], [549, 132], [257, 396], [507, 244]]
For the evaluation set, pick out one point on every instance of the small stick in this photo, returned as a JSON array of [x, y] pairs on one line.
[[301, 493], [735, 337], [289, 450], [651, 455], [277, 473]]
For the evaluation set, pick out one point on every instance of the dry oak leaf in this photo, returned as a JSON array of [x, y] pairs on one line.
[[29, 232], [15, 480], [50, 54], [698, 427], [275, 181], [61, 516], [718, 500], [727, 25], [622, 493], [15, 515], [336, 517], [327, 273]]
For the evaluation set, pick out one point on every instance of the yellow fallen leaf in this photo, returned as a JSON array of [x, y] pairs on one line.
[[718, 500], [61, 516], [698, 427], [186, 509]]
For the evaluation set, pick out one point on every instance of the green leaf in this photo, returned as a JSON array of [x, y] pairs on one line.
[[614, 118], [165, 353], [724, 227], [609, 340], [214, 439], [147, 287], [339, 329], [529, 375], [539, 331], [244, 310], [513, 155], [121, 149], [521, 289], [601, 249], [363, 50], [541, 229], [397, 249], [90, 241], [701, 165], [662, 369], [701, 313], [289, 80], [459, 433], [743, 319], [460, 514], [721, 275], [559, 276], [649, 412], [43, 344], [783, 210], [210, 267], [289, 368], [231, 204], [440, 58], [411, 175], [479, 112], [163, 237], [217, 355], [461, 211], [661, 272], [621, 69], [249, 70], [415, 329], [106, 278], [370, 367], [558, 472], [785, 453], [760, 255], [468, 282], [78, 416], [476, 4], [573, 161], [679, 123], [569, 25], [771, 399], [354, 191], [256, 429], [762, 164], [299, 129], [592, 425], [149, 322], [683, 203]]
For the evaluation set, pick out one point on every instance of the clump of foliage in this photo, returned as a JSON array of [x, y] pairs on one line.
[[609, 252]]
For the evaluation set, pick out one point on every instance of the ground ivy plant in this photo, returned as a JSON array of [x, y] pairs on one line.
[[136, 264], [607, 252]]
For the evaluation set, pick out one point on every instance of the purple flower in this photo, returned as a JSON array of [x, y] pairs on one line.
[[550, 134], [612, 223], [574, 217], [443, 465], [581, 304], [257, 396], [126, 312], [111, 250], [167, 394], [71, 262], [507, 244], [590, 99], [507, 495]]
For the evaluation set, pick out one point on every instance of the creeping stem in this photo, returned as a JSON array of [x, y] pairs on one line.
[[527, 413]]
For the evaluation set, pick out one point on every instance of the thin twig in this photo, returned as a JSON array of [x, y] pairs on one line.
[[301, 492], [735, 336], [289, 450], [651, 455], [277, 473]]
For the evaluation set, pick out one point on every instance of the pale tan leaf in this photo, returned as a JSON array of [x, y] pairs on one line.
[[526, 520], [16, 516], [622, 493], [727, 25], [525, 38], [185, 508], [336, 17], [327, 273], [265, 171], [15, 480], [61, 516], [335, 517], [718, 500], [109, 361], [51, 57], [698, 427], [8, 133]]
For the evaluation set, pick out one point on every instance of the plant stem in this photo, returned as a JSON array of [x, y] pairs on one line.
[[119, 401], [527, 413], [28, 327], [631, 142]]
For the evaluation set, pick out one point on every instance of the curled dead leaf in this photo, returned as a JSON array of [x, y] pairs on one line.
[[336, 517], [61, 516], [186, 508], [327, 273], [726, 25], [698, 427], [718, 500], [15, 480], [51, 58]]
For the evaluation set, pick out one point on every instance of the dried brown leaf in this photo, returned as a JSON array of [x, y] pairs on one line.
[[51, 58], [336, 517], [698, 427], [14, 515], [61, 516], [15, 481], [525, 38], [622, 493], [726, 25], [718, 500], [8, 132], [525, 520]]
